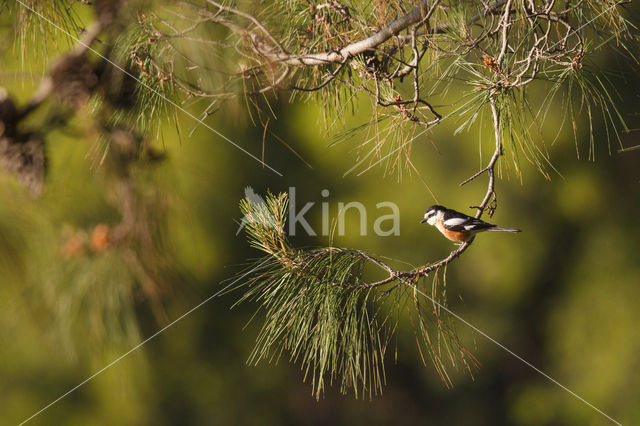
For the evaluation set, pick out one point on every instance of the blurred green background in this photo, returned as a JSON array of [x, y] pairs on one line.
[[562, 294]]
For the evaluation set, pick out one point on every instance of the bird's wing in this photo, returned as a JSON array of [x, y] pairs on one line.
[[454, 221]]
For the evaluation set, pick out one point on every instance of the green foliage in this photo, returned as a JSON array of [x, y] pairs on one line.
[[317, 310]]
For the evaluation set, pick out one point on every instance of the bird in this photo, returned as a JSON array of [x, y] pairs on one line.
[[458, 227]]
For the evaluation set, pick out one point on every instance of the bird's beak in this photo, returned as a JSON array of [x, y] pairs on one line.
[[423, 220]]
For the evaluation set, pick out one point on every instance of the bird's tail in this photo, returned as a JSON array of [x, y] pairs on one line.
[[498, 228]]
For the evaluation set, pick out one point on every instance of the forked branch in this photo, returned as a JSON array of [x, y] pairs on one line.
[[488, 203]]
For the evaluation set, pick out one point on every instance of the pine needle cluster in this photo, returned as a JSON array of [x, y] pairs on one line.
[[319, 313]]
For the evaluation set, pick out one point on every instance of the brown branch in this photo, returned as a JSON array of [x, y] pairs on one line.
[[46, 86], [263, 43]]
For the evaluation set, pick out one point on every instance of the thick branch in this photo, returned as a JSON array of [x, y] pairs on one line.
[[392, 28]]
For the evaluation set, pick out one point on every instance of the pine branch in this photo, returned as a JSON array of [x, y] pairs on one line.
[[309, 297]]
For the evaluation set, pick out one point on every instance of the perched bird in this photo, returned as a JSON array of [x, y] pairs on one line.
[[457, 226]]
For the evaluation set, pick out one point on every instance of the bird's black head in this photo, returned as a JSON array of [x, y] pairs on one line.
[[431, 213]]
